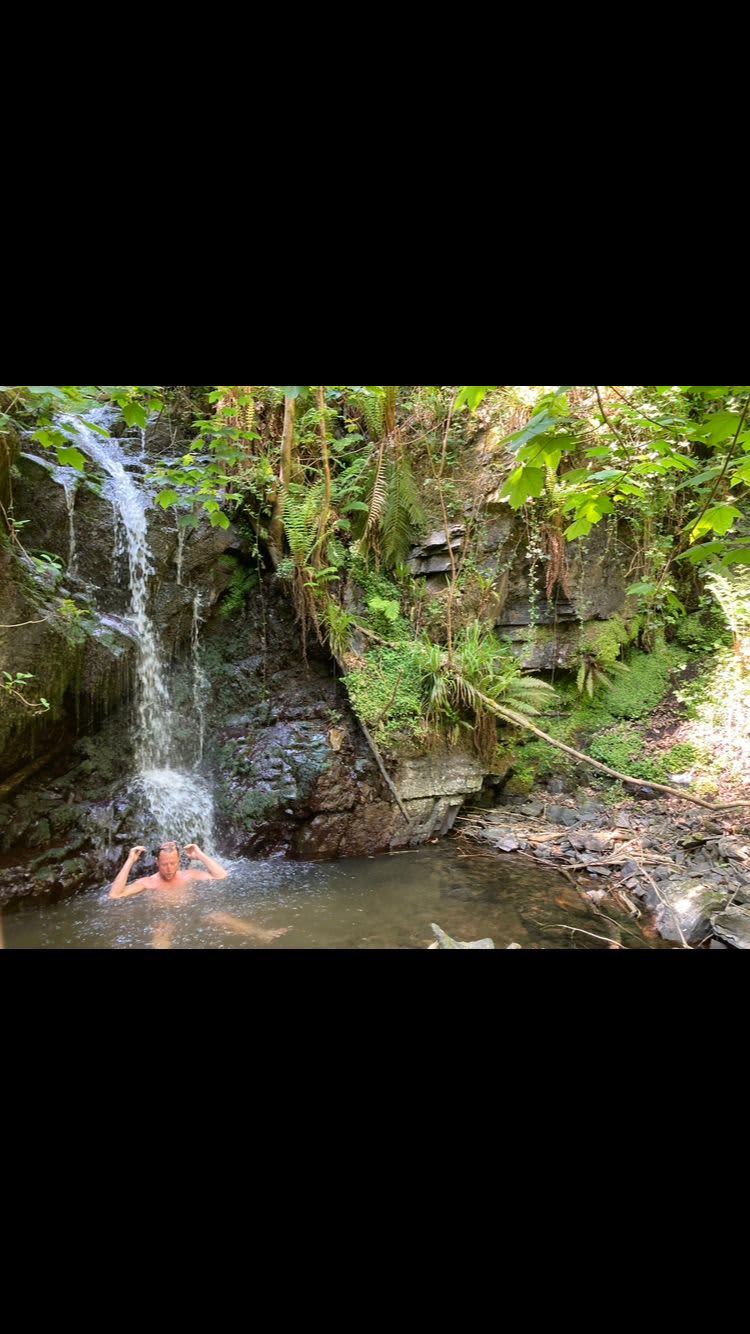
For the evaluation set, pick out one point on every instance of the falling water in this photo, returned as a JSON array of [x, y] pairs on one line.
[[118, 546], [201, 684], [180, 548], [154, 707], [68, 479], [180, 804]]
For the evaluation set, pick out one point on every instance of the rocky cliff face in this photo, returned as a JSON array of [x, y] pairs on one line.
[[290, 768]]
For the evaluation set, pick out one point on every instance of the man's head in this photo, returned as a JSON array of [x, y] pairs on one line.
[[168, 860]]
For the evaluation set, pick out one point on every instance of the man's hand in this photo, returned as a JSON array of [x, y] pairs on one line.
[[119, 890], [192, 850]]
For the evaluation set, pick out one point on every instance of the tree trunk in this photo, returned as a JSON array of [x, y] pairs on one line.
[[276, 526]]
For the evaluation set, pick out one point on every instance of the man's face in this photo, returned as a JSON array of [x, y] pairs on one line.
[[169, 864]]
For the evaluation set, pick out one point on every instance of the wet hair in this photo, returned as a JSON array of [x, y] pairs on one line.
[[169, 846]]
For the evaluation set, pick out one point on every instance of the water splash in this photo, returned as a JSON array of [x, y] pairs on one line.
[[180, 804]]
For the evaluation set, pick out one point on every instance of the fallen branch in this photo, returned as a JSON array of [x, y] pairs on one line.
[[562, 926], [20, 777], [17, 624], [519, 720]]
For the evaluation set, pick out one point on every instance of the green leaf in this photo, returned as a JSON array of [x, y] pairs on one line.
[[98, 430], [50, 439], [700, 478], [740, 556], [720, 518], [702, 552], [52, 389], [719, 427], [291, 390], [473, 394], [677, 461], [581, 528], [597, 452], [741, 473], [219, 520], [70, 457], [595, 510], [134, 414], [539, 425], [167, 498], [542, 453], [522, 484]]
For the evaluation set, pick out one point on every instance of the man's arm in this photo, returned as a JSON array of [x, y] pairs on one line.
[[213, 870], [120, 889]]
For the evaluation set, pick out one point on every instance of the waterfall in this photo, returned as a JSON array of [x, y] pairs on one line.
[[68, 479], [181, 531], [201, 683], [180, 804]]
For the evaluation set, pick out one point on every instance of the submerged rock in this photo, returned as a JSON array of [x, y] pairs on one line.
[[445, 942]]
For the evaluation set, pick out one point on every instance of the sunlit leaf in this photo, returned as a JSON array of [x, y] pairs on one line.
[[719, 519], [135, 414], [522, 484], [69, 457], [581, 528], [473, 394]]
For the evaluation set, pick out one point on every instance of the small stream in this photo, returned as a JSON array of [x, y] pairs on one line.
[[385, 902]]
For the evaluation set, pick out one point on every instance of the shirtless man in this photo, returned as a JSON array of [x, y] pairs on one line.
[[171, 878], [169, 875]]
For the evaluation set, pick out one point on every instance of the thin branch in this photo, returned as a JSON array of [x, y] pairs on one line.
[[661, 899], [17, 624], [520, 720], [562, 926], [611, 426]]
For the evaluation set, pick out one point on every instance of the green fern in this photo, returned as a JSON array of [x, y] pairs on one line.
[[403, 515], [301, 513], [590, 675], [378, 495], [338, 626], [241, 584], [372, 405]]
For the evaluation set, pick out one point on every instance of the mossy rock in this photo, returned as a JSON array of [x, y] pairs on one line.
[[41, 834], [605, 639]]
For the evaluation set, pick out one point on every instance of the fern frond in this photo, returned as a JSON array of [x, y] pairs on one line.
[[300, 514]]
